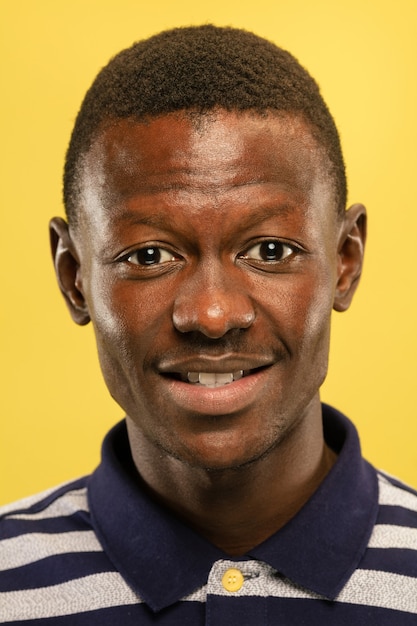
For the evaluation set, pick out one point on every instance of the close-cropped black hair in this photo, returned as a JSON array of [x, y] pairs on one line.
[[199, 69]]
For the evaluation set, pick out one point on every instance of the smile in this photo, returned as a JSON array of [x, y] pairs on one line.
[[214, 379], [197, 391]]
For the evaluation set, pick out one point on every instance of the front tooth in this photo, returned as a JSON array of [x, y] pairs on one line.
[[207, 378], [210, 379], [224, 379]]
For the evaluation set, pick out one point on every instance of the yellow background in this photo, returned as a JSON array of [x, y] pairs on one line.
[[55, 408]]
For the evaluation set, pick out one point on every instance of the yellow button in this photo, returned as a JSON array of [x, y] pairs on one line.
[[232, 579]]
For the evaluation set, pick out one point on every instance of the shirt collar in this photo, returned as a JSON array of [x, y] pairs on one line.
[[163, 560], [322, 545]]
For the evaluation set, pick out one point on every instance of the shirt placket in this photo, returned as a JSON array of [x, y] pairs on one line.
[[236, 594]]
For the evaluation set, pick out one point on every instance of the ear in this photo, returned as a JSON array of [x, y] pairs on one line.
[[67, 270], [351, 246]]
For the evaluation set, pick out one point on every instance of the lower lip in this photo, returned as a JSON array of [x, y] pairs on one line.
[[223, 400]]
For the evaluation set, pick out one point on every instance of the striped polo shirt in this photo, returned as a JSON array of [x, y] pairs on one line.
[[100, 551]]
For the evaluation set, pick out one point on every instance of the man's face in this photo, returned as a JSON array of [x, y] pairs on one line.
[[208, 262]]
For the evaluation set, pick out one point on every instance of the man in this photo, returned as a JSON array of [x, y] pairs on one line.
[[208, 242]]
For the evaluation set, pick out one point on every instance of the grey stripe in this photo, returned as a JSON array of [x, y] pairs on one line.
[[69, 504], [389, 536], [260, 580], [76, 596], [365, 587], [30, 548], [25, 503], [394, 496], [381, 589]]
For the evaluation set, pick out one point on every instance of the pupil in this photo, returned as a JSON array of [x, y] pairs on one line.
[[149, 256], [270, 251]]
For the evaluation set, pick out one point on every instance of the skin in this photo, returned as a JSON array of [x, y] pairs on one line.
[[202, 203]]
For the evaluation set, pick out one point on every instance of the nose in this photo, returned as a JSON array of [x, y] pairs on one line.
[[212, 305]]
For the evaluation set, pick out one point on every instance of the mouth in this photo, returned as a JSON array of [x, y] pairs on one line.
[[209, 376], [215, 387]]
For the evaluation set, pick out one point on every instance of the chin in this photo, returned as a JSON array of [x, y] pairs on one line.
[[221, 457]]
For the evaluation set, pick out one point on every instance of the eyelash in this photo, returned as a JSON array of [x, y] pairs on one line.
[[151, 250], [271, 247]]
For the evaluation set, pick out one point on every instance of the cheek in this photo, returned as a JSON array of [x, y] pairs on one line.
[[127, 319], [315, 342], [110, 315], [119, 322], [300, 311]]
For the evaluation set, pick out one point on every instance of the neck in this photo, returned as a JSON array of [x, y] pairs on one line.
[[236, 508]]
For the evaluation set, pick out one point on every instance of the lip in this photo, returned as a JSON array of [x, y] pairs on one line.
[[215, 401], [222, 364]]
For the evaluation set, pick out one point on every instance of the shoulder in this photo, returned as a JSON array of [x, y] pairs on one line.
[[394, 493], [60, 500], [392, 547], [397, 515], [42, 525], [37, 530], [52, 563]]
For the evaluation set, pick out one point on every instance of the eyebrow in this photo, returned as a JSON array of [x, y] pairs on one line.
[[156, 220], [263, 213], [163, 222]]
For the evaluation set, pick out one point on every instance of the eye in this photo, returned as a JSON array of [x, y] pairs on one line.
[[151, 255], [269, 251]]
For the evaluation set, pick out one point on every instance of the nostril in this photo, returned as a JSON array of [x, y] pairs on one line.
[[213, 312]]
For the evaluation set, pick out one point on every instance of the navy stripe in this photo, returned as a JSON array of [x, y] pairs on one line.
[[326, 613], [231, 611], [18, 527], [397, 516], [239, 611], [392, 560], [43, 503], [304, 612]]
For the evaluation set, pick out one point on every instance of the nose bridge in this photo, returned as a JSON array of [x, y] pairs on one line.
[[212, 301]]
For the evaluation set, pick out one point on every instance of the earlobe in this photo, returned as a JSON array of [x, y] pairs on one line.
[[67, 270], [350, 255]]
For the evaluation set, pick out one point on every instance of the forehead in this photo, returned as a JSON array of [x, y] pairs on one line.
[[215, 153]]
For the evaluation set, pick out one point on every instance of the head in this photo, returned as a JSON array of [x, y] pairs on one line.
[[208, 242], [198, 70]]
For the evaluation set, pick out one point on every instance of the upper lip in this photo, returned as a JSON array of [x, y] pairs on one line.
[[215, 365]]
